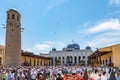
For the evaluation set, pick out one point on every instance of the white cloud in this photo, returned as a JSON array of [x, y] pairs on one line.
[[114, 2], [46, 46], [48, 42], [42, 46], [28, 50], [53, 4], [103, 40], [104, 33], [111, 24]]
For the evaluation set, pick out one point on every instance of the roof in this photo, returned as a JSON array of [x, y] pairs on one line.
[[74, 45], [99, 53], [32, 55], [13, 10], [110, 46]]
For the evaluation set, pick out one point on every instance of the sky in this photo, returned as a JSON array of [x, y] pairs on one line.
[[56, 23]]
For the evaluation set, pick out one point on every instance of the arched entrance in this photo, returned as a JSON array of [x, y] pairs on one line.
[[82, 62], [69, 60], [75, 60]]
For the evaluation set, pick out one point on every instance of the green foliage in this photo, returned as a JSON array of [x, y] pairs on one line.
[[115, 67]]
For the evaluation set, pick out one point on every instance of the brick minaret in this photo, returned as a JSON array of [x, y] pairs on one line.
[[13, 39]]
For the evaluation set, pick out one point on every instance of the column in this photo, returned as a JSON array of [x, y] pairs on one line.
[[86, 60], [100, 60], [61, 59], [65, 59], [81, 58], [53, 61], [30, 61], [50, 62], [76, 59], [73, 59]]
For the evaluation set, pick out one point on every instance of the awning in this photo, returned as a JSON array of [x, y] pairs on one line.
[[99, 53]]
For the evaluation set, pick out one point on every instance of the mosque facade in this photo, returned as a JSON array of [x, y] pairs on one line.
[[71, 55]]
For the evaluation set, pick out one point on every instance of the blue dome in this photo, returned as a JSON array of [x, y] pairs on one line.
[[53, 49], [88, 47], [74, 45]]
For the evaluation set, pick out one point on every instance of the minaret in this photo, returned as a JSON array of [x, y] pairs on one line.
[[13, 39]]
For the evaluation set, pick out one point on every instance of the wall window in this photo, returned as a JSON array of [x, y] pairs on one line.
[[83, 57], [8, 16], [18, 18], [79, 58], [0, 60], [13, 16], [12, 29], [0, 51]]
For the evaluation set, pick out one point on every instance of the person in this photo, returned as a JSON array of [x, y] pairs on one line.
[[118, 76], [47, 73], [20, 76], [59, 77], [33, 75], [0, 76], [40, 77], [12, 74], [44, 74], [55, 72], [51, 73], [74, 71], [99, 77], [8, 75]]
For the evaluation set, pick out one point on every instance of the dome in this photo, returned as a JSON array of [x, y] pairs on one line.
[[54, 49], [63, 49], [74, 45], [88, 47]]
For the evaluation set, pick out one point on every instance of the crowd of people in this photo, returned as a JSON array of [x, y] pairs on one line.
[[59, 73]]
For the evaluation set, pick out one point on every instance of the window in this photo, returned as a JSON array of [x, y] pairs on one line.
[[0, 60], [18, 18], [12, 30], [0, 51], [75, 59], [13, 16], [8, 16], [79, 58], [17, 26], [83, 57]]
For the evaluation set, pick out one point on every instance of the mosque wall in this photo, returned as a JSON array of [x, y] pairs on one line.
[[112, 55], [26, 58], [116, 55], [2, 55]]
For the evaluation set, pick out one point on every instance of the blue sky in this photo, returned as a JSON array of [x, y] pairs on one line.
[[55, 23]]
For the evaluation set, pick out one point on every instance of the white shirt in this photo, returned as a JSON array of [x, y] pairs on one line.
[[33, 75]]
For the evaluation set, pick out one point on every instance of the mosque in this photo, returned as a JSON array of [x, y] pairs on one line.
[[71, 55], [12, 55]]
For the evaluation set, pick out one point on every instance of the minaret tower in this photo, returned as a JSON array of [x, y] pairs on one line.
[[13, 39]]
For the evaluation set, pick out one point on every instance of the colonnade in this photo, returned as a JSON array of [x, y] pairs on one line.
[[102, 60], [69, 60]]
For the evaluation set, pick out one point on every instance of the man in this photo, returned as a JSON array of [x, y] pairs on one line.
[[33, 74], [118, 76], [20, 76], [8, 75]]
